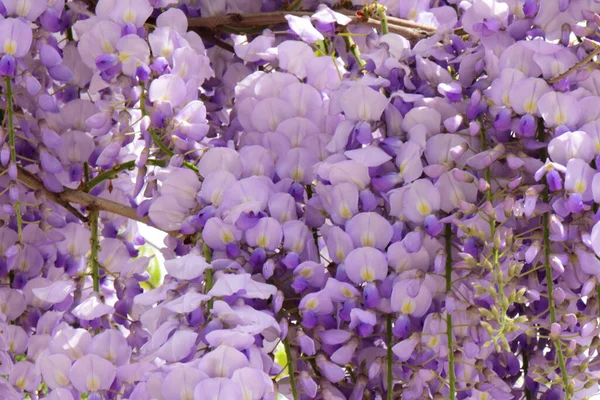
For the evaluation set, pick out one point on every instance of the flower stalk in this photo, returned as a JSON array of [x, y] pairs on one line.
[[291, 367], [496, 269], [353, 49], [380, 12], [390, 363], [548, 270], [112, 173], [449, 329], [95, 245], [156, 139], [13, 152]]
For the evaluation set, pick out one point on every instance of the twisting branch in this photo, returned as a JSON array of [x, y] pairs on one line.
[[408, 29], [87, 200], [588, 59]]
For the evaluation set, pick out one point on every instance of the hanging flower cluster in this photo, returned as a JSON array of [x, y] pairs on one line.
[[361, 200]]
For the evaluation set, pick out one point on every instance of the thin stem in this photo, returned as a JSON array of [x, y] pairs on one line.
[[353, 49], [598, 298], [94, 243], [291, 367], [550, 284], [525, 373], [155, 136], [390, 382], [315, 234], [111, 173], [449, 330], [13, 151], [496, 268], [295, 5], [549, 281], [208, 273], [589, 58], [383, 17]]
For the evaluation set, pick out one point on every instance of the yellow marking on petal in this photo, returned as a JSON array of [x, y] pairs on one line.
[[23, 7], [216, 197], [107, 47], [408, 307], [311, 304], [580, 186], [20, 383], [226, 237], [92, 384], [298, 174], [456, 197], [530, 107], [258, 170], [412, 14], [262, 241], [183, 71], [523, 68], [401, 266], [345, 212], [597, 146], [186, 395], [298, 246], [505, 100], [560, 118], [123, 57], [367, 240], [61, 379], [10, 47], [347, 292], [556, 68], [167, 51], [307, 272], [129, 16], [423, 208], [433, 342], [340, 254], [403, 167], [367, 275]]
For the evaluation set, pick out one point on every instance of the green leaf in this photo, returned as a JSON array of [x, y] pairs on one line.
[[153, 268], [281, 359]]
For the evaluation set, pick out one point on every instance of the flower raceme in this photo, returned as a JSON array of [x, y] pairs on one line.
[[358, 200]]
